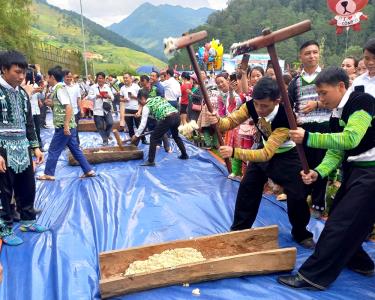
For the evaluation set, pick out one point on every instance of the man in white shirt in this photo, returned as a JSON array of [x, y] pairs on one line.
[[36, 102], [172, 88], [75, 96], [367, 80], [65, 128], [102, 96], [129, 102]]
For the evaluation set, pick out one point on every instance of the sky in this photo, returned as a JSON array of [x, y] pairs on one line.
[[112, 11]]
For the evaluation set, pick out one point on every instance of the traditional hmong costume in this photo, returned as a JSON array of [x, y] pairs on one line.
[[353, 211], [167, 119], [17, 138], [302, 89], [275, 158]]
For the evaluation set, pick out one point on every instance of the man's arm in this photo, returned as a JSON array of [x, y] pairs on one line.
[[142, 125], [68, 117], [278, 137], [350, 138], [234, 119], [332, 160]]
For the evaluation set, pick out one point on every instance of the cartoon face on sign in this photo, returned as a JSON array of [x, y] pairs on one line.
[[348, 14]]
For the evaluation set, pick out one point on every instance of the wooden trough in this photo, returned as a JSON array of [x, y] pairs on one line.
[[109, 154], [89, 125], [233, 254]]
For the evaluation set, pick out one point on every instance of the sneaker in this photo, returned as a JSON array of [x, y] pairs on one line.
[[8, 236], [32, 226]]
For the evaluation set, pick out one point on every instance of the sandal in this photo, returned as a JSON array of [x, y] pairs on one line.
[[88, 174], [46, 177]]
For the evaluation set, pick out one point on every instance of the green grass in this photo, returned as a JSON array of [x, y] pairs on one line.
[[52, 27]]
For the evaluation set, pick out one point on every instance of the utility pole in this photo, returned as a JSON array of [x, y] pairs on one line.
[[83, 38]]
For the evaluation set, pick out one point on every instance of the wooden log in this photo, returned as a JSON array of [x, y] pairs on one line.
[[118, 139], [109, 154], [232, 254], [262, 262], [89, 126]]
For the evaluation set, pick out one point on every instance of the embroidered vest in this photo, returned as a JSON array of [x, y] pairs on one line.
[[13, 116], [160, 108], [59, 111]]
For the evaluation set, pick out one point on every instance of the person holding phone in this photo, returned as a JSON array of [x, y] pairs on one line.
[[102, 96], [129, 102]]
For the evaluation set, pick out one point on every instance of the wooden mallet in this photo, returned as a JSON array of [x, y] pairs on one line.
[[269, 39], [186, 41]]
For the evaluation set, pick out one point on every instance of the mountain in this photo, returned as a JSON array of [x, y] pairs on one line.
[[62, 28], [148, 25], [244, 19]]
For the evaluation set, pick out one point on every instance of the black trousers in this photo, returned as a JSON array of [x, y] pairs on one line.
[[131, 121], [104, 125], [314, 157], [171, 123], [351, 217], [43, 114], [37, 129], [284, 169], [22, 185]]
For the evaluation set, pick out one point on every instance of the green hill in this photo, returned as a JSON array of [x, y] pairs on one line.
[[148, 25], [244, 19], [62, 28]]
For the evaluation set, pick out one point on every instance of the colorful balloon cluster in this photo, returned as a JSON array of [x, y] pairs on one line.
[[211, 55]]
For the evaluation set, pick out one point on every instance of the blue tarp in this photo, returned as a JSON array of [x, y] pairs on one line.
[[127, 205]]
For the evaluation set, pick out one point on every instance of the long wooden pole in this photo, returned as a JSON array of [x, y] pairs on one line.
[[206, 98], [285, 99]]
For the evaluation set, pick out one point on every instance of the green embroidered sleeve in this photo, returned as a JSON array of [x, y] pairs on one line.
[[331, 162], [350, 138], [234, 119]]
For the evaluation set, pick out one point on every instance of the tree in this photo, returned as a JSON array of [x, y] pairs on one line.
[[15, 24]]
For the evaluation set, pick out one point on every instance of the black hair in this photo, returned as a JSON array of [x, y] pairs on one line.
[[332, 76], [56, 72], [266, 88], [100, 74], [370, 46], [170, 72], [258, 68], [356, 61], [143, 93], [66, 72], [309, 43], [287, 78], [185, 75], [144, 77], [12, 58], [112, 75], [156, 72], [225, 75]]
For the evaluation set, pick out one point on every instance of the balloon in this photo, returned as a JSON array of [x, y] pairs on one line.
[[207, 46], [214, 44], [201, 52], [205, 57], [212, 52], [348, 14], [220, 50]]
